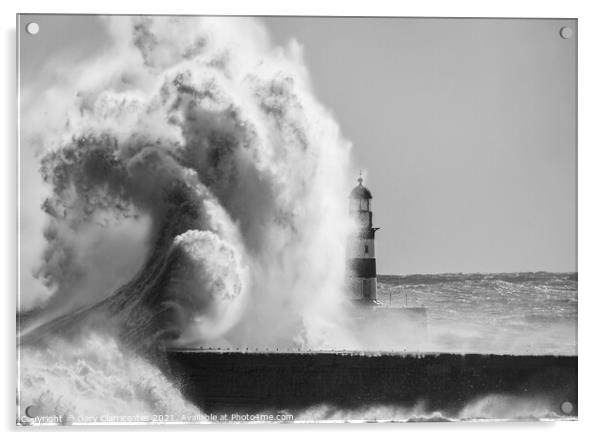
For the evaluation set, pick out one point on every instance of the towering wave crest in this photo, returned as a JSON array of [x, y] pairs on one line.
[[190, 175]]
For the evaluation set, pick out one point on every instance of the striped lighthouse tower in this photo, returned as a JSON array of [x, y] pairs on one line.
[[361, 256]]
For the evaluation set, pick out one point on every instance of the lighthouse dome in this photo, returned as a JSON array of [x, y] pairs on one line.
[[360, 191]]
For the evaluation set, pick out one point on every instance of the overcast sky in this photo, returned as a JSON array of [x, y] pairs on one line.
[[465, 129]]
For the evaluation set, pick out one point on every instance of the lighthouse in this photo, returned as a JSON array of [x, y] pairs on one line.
[[361, 255]]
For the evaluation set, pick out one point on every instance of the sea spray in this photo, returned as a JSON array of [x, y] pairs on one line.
[[93, 379], [490, 407]]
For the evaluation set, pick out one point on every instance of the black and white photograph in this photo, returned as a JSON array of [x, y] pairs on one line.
[[296, 219]]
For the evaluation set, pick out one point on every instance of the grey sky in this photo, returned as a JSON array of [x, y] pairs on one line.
[[465, 129]]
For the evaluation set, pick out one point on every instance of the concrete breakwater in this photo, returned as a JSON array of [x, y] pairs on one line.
[[294, 381]]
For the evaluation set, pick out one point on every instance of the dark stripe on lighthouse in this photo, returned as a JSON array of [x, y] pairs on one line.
[[363, 267]]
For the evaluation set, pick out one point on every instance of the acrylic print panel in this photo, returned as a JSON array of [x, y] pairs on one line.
[[289, 219]]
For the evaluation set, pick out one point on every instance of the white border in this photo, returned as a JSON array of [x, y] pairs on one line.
[[590, 219]]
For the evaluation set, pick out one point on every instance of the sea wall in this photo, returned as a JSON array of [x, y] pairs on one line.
[[239, 381]]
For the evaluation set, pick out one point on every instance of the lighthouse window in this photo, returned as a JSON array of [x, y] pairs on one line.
[[365, 249], [364, 204]]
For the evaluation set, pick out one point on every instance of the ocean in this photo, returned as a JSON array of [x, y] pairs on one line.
[[504, 313]]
